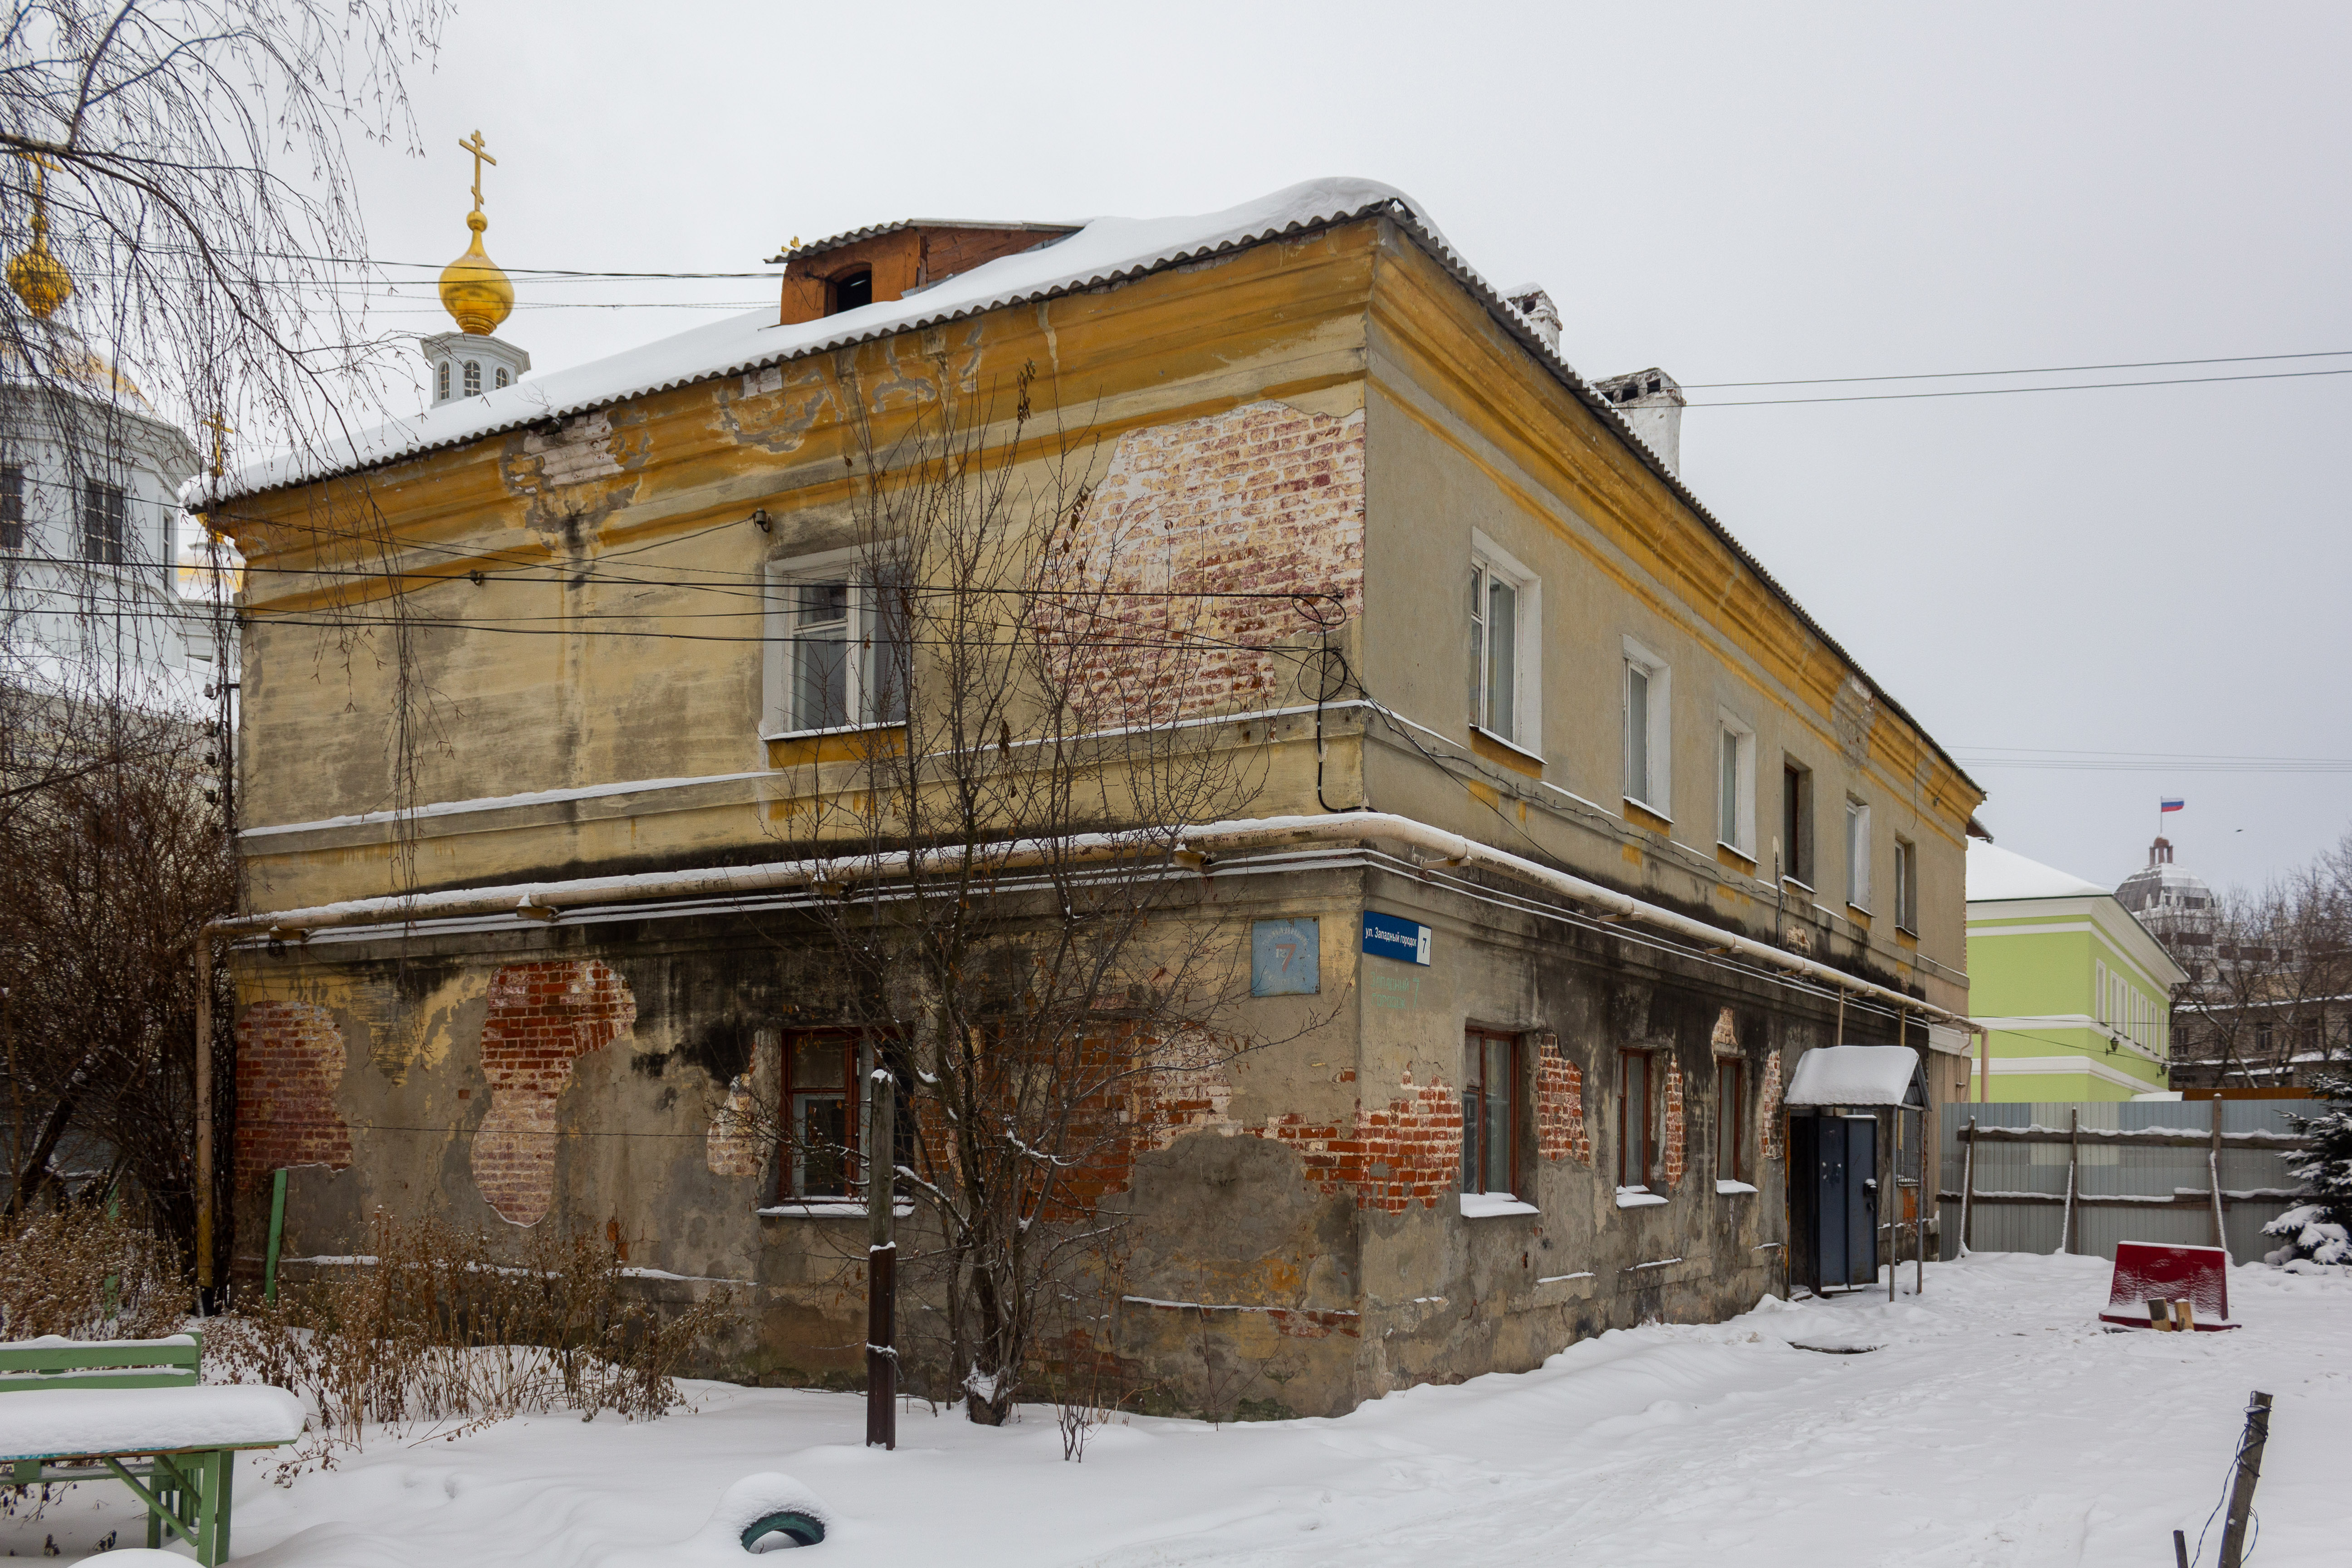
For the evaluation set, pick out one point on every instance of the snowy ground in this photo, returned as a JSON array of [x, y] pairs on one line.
[[1994, 1423]]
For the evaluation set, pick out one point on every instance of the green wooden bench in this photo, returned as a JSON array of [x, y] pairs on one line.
[[79, 1409]]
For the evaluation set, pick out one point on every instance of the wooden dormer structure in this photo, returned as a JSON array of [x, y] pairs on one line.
[[890, 262]]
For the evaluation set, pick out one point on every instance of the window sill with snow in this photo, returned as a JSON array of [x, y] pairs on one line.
[[1730, 1188], [1487, 1205], [1638, 1198]]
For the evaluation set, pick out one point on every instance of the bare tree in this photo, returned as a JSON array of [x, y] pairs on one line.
[[182, 200], [2272, 996], [1001, 920], [111, 859]]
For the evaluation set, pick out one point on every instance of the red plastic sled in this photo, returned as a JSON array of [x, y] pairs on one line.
[[2146, 1270]]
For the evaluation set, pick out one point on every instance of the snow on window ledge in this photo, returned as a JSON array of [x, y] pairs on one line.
[[1487, 1205], [1729, 1188], [1638, 1198], [829, 1208]]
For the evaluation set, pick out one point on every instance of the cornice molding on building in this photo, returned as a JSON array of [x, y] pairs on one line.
[[2041, 1066], [2105, 914], [2020, 1024]]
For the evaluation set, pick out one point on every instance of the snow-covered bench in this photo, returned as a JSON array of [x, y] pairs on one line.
[[77, 1409]]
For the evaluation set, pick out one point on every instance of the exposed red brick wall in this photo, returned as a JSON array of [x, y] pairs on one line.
[[1675, 1123], [1407, 1151], [1768, 1107], [1263, 500], [1560, 1132], [543, 1016], [289, 1062]]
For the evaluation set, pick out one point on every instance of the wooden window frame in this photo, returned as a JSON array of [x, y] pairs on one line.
[[1630, 1118], [1796, 823], [1476, 1095], [105, 523], [790, 1181], [1906, 884], [12, 506], [1730, 1123]]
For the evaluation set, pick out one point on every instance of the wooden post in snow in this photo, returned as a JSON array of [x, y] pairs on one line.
[[1968, 1188], [2250, 1470], [2213, 1174], [881, 1255], [204, 1120], [2074, 1159]]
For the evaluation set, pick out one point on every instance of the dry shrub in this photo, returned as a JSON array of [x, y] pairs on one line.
[[88, 1274], [434, 1336]]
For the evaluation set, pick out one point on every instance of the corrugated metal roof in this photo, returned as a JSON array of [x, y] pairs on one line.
[[875, 231]]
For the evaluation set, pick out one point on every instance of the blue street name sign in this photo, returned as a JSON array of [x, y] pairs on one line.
[[1389, 937]]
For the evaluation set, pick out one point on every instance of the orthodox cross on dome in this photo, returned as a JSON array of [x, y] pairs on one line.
[[39, 278], [221, 430], [481, 151]]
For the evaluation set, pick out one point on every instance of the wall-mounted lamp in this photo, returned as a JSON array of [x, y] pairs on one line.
[[760, 515]]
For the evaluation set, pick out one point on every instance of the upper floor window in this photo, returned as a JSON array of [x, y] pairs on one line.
[[1490, 1082], [1649, 729], [103, 517], [502, 375], [441, 382], [1857, 854], [850, 291], [1735, 826], [1906, 884], [1797, 823], [838, 644], [1505, 618], [12, 507], [473, 378]]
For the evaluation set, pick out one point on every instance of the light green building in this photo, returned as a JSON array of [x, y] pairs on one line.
[[2075, 993]]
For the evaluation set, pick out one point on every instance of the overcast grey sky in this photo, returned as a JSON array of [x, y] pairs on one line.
[[1732, 192]]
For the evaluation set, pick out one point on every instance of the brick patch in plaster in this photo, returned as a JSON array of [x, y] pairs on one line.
[[1768, 1110], [1260, 500], [732, 1148], [1675, 1123], [543, 1016], [1560, 1132], [289, 1062]]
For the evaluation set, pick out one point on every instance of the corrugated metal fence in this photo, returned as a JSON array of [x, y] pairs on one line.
[[2141, 1171]]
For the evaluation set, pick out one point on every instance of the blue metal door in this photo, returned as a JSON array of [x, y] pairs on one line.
[[1861, 1200]]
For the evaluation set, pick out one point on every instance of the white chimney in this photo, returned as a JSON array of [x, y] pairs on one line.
[[1536, 305], [1652, 403]]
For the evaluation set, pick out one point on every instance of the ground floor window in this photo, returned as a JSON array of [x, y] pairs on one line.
[[1729, 1127], [820, 1114], [1490, 1081], [1636, 1140]]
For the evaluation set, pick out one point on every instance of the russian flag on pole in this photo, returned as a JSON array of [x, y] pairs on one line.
[[2163, 805]]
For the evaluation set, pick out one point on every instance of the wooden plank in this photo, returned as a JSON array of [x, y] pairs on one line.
[[2192, 1199], [2147, 1138]]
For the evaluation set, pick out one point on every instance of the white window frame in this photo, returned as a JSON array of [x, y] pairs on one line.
[[1857, 854], [1524, 731], [1906, 884], [855, 566], [2099, 980], [1742, 806], [1658, 740]]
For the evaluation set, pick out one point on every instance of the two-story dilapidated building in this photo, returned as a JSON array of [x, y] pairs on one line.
[[1559, 830]]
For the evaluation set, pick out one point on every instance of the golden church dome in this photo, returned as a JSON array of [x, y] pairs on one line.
[[39, 278], [473, 289]]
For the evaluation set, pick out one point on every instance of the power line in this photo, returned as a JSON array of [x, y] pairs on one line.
[[2006, 391], [2035, 370]]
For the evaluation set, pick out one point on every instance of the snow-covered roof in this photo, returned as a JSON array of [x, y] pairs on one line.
[[1103, 251], [1996, 874], [877, 230], [1854, 1075]]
